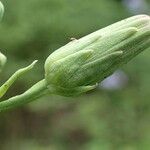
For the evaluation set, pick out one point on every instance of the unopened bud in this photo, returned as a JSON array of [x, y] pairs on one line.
[[78, 66]]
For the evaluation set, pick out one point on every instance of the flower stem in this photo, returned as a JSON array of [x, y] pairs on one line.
[[36, 91]]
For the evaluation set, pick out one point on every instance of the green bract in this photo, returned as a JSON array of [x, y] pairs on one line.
[[77, 67]]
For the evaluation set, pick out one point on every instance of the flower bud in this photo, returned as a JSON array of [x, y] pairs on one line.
[[78, 66], [2, 57], [1, 10], [2, 61]]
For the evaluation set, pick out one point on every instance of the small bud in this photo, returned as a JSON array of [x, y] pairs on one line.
[[77, 67], [1, 10], [3, 60]]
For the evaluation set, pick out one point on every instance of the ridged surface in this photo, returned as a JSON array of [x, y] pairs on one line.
[[89, 60]]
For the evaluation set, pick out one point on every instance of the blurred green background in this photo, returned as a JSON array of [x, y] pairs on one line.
[[114, 118]]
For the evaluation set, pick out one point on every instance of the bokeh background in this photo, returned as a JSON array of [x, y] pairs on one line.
[[115, 116]]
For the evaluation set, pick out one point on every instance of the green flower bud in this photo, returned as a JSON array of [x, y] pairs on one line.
[[78, 66], [2, 57], [3, 60], [1, 10]]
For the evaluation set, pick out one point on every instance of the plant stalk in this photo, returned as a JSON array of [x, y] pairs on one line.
[[36, 91]]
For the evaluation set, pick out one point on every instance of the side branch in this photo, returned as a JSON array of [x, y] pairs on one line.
[[36, 91]]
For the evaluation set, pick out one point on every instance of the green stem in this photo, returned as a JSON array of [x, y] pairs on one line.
[[36, 91]]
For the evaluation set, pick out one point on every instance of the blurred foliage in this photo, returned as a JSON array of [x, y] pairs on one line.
[[99, 120]]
